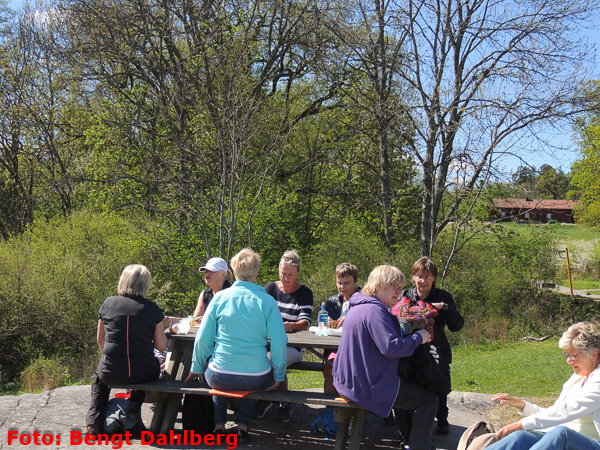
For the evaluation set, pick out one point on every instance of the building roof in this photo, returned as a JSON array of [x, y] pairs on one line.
[[525, 203]]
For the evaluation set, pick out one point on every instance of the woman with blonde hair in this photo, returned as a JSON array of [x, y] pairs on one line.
[[365, 369], [230, 350], [295, 303], [129, 328]]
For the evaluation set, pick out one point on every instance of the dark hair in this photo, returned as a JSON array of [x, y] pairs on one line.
[[426, 265], [346, 270]]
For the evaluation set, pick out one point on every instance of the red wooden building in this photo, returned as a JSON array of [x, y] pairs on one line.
[[534, 210]]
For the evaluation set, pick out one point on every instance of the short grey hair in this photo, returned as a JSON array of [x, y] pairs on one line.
[[135, 281], [291, 258], [584, 336], [245, 265]]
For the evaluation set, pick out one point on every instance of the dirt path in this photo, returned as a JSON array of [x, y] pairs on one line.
[[588, 293]]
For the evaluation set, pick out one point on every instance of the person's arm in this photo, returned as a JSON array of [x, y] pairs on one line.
[[160, 338], [454, 320], [389, 340], [571, 404], [100, 335], [306, 306], [205, 339], [509, 400], [199, 311], [295, 326], [507, 429], [278, 340]]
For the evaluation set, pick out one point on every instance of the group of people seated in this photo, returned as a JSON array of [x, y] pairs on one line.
[[383, 324]]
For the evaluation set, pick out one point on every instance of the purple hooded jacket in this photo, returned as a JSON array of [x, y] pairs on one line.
[[365, 369]]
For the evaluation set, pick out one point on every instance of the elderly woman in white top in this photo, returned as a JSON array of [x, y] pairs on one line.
[[573, 422]]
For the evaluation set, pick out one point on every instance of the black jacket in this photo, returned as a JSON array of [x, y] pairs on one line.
[[450, 317]]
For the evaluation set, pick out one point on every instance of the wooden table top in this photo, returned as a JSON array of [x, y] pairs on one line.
[[305, 339]]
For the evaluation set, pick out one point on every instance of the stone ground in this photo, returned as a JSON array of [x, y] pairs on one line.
[[62, 412]]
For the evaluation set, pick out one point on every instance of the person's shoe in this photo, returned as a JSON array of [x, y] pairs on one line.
[[284, 412], [93, 429], [243, 437], [261, 407], [442, 430]]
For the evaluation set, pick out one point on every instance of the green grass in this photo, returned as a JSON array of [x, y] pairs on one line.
[[529, 369], [564, 233], [581, 283], [525, 369]]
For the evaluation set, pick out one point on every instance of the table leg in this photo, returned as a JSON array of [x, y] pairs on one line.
[[342, 416], [357, 426]]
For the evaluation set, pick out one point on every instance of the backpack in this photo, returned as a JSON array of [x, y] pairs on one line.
[[118, 419], [198, 414], [478, 436]]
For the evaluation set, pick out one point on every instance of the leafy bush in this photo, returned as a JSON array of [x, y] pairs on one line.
[[350, 243], [44, 374], [53, 279]]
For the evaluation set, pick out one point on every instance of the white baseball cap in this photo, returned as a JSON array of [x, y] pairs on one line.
[[214, 265]]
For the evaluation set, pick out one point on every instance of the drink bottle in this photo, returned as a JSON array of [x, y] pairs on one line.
[[322, 320]]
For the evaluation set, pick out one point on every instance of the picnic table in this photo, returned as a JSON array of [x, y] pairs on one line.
[[179, 362]]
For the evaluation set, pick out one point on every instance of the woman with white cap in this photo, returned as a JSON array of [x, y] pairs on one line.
[[216, 276]]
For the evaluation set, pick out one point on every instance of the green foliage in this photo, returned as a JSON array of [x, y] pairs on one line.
[[543, 183], [586, 169], [53, 279], [43, 374], [494, 277], [350, 243]]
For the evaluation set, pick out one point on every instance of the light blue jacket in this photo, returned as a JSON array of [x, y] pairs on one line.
[[235, 329]]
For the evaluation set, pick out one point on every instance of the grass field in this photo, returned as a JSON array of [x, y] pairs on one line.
[[564, 233], [525, 369]]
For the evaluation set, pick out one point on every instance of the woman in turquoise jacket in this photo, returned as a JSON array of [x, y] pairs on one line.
[[234, 334]]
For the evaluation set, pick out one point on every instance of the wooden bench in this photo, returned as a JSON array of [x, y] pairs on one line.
[[174, 390], [308, 365]]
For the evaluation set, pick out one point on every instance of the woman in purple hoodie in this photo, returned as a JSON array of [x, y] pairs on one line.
[[365, 370]]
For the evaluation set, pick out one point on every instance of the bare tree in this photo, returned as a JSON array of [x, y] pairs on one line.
[[208, 85], [486, 75]]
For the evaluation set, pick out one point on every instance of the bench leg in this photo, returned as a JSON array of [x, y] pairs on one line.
[[357, 426], [165, 414], [343, 417]]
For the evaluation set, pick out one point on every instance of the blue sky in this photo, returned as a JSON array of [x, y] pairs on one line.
[[558, 138]]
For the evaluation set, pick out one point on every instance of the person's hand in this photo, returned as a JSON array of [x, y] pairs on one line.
[[341, 321], [507, 429], [288, 326], [274, 386], [193, 375], [509, 400], [426, 335], [439, 306]]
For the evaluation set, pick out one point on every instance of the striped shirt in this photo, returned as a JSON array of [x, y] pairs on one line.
[[294, 307]]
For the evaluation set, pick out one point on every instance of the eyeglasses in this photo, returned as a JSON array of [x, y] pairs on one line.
[[571, 356], [423, 278], [396, 286]]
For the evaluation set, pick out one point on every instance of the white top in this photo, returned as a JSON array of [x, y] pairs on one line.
[[577, 407]]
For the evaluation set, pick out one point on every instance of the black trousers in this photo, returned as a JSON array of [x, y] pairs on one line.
[[405, 418], [100, 396]]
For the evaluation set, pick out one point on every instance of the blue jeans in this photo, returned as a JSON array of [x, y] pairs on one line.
[[556, 439], [229, 382]]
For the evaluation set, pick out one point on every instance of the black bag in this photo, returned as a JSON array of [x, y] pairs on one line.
[[428, 368], [198, 414]]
